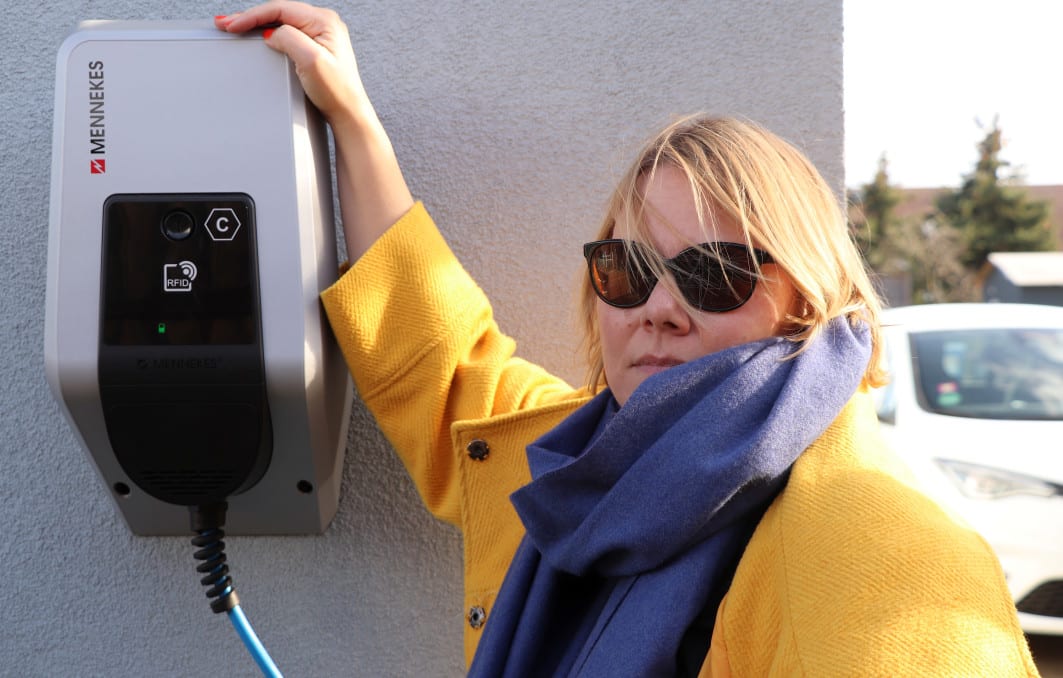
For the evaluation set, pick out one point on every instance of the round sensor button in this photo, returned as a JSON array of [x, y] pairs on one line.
[[178, 225]]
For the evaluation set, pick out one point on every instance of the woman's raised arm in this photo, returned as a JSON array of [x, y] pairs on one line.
[[372, 191]]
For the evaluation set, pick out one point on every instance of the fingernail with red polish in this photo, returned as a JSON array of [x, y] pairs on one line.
[[267, 33]]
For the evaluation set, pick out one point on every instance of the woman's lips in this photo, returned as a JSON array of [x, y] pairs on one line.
[[656, 363]]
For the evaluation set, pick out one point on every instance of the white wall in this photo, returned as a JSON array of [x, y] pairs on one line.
[[512, 120]]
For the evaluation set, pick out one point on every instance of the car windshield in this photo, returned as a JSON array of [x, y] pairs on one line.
[[990, 373]]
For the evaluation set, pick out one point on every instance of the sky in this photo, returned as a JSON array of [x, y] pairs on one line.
[[924, 80]]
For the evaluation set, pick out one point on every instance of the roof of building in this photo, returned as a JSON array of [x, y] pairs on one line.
[[919, 202], [1030, 269]]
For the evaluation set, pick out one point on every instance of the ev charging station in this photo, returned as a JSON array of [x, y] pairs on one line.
[[191, 232]]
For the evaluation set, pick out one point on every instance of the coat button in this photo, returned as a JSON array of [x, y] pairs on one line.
[[478, 450], [477, 616]]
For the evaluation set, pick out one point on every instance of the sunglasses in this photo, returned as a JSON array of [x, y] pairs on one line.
[[713, 277]]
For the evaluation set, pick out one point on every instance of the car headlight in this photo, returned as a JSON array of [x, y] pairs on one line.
[[985, 482]]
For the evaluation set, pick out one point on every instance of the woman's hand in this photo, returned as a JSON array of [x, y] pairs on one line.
[[317, 42], [372, 191]]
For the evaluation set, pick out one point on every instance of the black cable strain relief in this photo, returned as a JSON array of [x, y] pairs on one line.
[[207, 516], [225, 604], [206, 523]]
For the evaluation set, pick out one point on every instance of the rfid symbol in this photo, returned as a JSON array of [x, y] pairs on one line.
[[179, 277]]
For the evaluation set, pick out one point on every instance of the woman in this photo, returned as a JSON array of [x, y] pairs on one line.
[[716, 501]]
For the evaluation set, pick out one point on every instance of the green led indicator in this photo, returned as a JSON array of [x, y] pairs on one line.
[[162, 328]]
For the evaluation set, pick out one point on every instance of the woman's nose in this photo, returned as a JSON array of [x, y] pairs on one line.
[[663, 311]]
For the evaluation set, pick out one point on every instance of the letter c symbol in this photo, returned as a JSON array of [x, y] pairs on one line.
[[220, 224]]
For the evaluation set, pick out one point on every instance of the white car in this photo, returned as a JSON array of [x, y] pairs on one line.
[[975, 407]]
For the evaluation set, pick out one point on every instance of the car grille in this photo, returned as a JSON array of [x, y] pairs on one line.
[[1046, 600]]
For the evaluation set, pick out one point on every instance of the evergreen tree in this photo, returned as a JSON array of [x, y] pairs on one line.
[[875, 221], [920, 252], [994, 214]]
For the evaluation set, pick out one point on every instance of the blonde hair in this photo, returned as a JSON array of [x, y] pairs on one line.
[[782, 204]]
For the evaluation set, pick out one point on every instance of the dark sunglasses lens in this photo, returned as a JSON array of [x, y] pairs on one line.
[[618, 279], [713, 283]]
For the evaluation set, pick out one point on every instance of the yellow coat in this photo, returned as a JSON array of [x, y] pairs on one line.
[[850, 572]]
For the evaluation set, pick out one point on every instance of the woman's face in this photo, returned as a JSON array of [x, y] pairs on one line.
[[646, 339]]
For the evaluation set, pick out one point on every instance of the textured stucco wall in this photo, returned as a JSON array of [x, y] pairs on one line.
[[512, 120]]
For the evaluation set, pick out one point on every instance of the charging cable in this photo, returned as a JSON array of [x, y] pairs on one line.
[[207, 521]]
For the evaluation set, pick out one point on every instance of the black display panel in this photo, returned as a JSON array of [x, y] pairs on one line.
[[179, 270], [180, 367]]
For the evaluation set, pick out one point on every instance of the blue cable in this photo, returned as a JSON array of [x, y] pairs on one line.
[[207, 520], [253, 644]]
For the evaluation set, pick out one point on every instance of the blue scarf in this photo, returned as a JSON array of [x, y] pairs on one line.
[[636, 516]]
